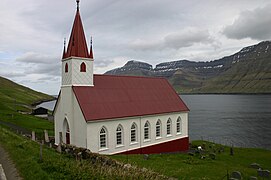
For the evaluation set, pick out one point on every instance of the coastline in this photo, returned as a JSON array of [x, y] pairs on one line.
[[43, 101]]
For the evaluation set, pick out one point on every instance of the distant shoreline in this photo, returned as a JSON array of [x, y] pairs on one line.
[[43, 101]]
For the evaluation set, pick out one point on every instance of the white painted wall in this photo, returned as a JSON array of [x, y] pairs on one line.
[[68, 107], [74, 76], [93, 129], [66, 76]]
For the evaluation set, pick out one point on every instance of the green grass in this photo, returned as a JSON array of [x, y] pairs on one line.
[[15, 98], [25, 154], [184, 166]]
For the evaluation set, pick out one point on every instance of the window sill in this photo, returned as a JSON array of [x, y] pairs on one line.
[[119, 146], [169, 135], [133, 143], [103, 149], [157, 138], [146, 140], [179, 133]]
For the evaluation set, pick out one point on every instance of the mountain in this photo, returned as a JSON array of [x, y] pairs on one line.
[[247, 71]]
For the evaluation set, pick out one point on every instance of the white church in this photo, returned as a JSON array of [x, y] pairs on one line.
[[115, 114]]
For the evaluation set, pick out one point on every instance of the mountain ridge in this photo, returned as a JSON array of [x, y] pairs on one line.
[[246, 71]]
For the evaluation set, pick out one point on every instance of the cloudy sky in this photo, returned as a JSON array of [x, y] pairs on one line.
[[154, 31]]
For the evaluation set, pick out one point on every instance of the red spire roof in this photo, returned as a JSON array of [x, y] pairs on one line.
[[77, 46]]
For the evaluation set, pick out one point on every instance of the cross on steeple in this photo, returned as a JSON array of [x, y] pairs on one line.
[[77, 1]]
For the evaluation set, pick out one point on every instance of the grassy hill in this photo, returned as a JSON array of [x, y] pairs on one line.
[[14, 99], [250, 76], [53, 165], [26, 155], [214, 162]]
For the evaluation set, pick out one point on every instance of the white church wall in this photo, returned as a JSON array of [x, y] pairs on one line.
[[80, 126], [68, 108], [66, 76], [93, 129], [82, 78]]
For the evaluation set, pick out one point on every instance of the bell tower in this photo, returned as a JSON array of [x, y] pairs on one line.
[[77, 61]]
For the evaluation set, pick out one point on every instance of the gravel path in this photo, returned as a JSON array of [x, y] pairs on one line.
[[8, 166]]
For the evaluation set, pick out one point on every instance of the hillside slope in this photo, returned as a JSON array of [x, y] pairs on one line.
[[14, 99], [247, 71], [11, 92]]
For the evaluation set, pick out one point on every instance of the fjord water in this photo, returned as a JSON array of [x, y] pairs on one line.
[[238, 120]]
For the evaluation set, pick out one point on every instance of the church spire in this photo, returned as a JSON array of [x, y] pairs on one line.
[[91, 51], [64, 49], [77, 46]]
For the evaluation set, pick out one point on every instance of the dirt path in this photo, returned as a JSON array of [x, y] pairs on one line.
[[8, 166]]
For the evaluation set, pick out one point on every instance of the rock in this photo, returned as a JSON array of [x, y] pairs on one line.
[[255, 166], [236, 175], [212, 156]]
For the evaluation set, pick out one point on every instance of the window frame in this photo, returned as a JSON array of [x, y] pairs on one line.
[[119, 135], [169, 127], [133, 133], [158, 127], [66, 68], [147, 133], [103, 142], [179, 125], [83, 67]]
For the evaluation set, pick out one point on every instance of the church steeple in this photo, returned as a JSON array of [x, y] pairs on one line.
[[77, 60], [77, 46], [91, 51], [64, 49]]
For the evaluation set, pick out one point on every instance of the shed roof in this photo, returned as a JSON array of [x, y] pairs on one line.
[[127, 96]]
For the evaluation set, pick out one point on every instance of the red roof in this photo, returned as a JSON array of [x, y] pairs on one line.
[[127, 96], [77, 46]]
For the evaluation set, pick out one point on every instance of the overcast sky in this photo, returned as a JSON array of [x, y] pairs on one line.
[[153, 31]]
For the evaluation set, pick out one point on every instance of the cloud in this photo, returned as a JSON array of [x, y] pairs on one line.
[[32, 57], [251, 24], [177, 40], [144, 45], [103, 62], [12, 74], [187, 38], [36, 63]]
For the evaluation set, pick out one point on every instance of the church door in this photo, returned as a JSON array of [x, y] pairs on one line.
[[67, 137], [66, 130]]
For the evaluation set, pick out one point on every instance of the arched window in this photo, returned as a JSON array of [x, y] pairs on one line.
[[103, 137], [147, 130], [133, 133], [158, 128], [119, 135], [83, 67], [179, 125], [168, 126], [66, 68]]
